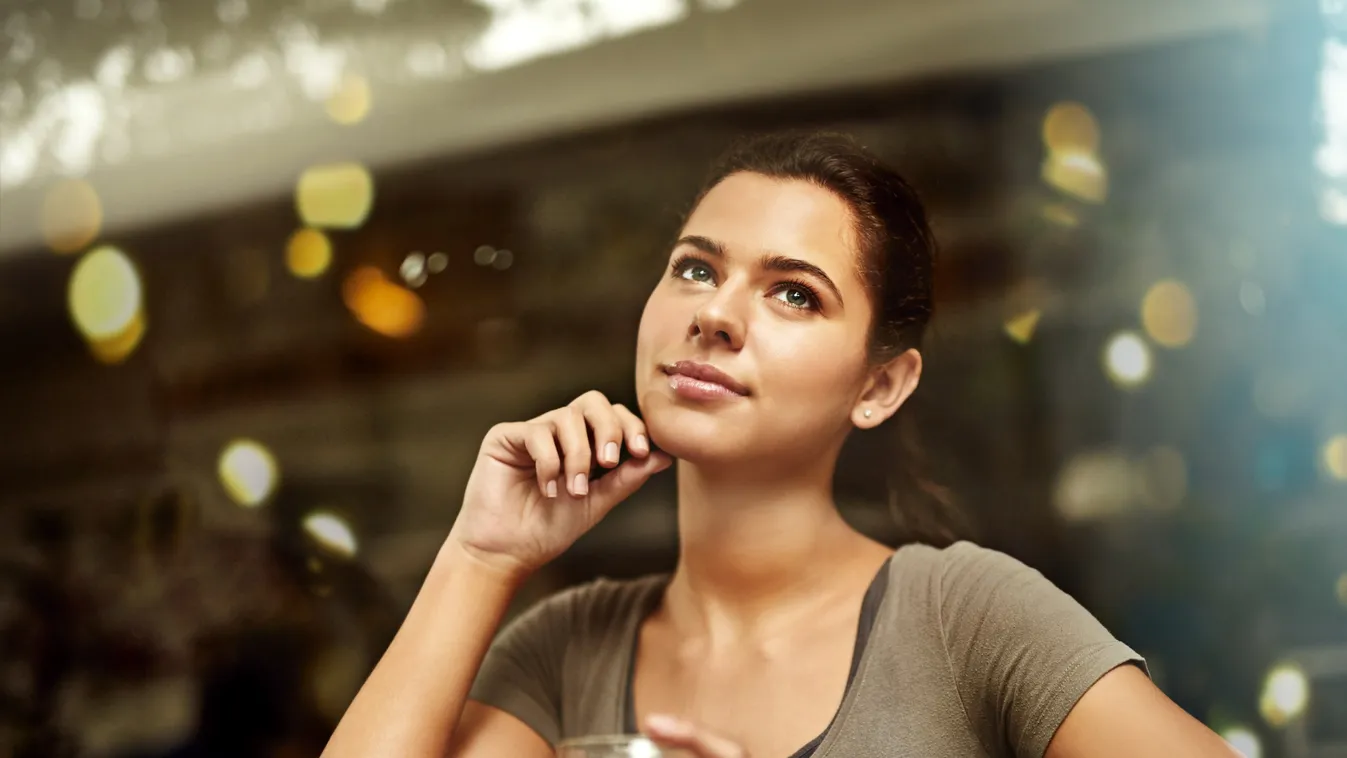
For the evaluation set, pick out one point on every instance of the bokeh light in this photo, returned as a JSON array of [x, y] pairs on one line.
[[350, 102], [1094, 485], [104, 294], [387, 308], [72, 216], [332, 532], [335, 196], [1070, 126], [1333, 206], [1334, 457], [1340, 589], [1127, 360], [117, 348], [1169, 313], [308, 253], [1060, 214], [1286, 692], [1021, 328], [248, 472], [413, 269], [1081, 175], [1244, 741], [1072, 164]]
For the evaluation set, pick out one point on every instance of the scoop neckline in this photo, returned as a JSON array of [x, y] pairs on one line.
[[871, 601]]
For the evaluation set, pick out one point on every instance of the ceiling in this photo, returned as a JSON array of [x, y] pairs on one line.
[[217, 104]]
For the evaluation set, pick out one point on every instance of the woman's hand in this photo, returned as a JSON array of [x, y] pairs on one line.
[[672, 732], [530, 496]]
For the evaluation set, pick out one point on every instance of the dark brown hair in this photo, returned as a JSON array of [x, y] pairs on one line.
[[897, 253]]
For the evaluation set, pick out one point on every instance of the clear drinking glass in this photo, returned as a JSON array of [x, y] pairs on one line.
[[616, 746]]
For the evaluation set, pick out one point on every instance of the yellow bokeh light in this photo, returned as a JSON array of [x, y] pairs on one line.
[[1340, 588], [104, 293], [332, 532], [1334, 457], [1021, 328], [1286, 692], [1079, 174], [381, 305], [1169, 313], [308, 253], [336, 196], [72, 216], [350, 103], [248, 472], [1244, 741], [115, 349], [1127, 360], [1070, 126], [1061, 215]]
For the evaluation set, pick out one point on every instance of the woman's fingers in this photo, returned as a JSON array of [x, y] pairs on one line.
[[633, 431], [590, 431], [670, 731], [573, 434], [541, 443], [604, 425]]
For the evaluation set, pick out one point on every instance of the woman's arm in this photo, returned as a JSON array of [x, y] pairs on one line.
[[412, 701], [529, 497], [1124, 714]]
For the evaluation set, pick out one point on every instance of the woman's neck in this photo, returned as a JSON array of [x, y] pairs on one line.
[[760, 552]]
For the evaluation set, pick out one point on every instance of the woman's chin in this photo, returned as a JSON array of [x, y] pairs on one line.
[[691, 437]]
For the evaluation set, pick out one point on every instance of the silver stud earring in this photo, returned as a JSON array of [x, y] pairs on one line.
[[867, 413]]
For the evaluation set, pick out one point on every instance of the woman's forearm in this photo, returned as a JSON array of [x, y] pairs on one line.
[[412, 700]]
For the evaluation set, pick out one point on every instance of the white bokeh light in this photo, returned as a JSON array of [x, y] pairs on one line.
[[1244, 741], [1127, 360], [1286, 693], [332, 532], [248, 472]]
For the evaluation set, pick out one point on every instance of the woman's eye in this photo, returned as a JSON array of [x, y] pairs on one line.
[[696, 272], [796, 297]]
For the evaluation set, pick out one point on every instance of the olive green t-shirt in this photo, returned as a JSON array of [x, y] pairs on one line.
[[967, 652]]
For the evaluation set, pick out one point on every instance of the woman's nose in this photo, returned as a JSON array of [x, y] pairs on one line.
[[720, 319]]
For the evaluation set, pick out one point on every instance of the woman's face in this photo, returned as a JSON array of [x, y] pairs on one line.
[[762, 287]]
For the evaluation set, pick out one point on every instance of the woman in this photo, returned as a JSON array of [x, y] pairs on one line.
[[791, 312]]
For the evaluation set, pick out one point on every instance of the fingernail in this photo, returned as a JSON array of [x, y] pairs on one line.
[[640, 444], [610, 452], [581, 487], [552, 488], [662, 723]]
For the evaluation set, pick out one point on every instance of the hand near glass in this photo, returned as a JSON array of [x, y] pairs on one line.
[[668, 737]]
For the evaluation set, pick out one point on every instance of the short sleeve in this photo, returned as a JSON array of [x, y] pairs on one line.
[[1022, 652], [522, 671]]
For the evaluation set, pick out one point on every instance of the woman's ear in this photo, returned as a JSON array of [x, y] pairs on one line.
[[888, 387]]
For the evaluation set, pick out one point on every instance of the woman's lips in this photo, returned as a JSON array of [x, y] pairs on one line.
[[702, 381]]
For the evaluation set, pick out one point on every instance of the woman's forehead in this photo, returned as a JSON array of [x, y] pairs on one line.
[[750, 213]]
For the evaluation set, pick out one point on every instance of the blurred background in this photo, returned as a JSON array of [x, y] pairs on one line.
[[269, 270]]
